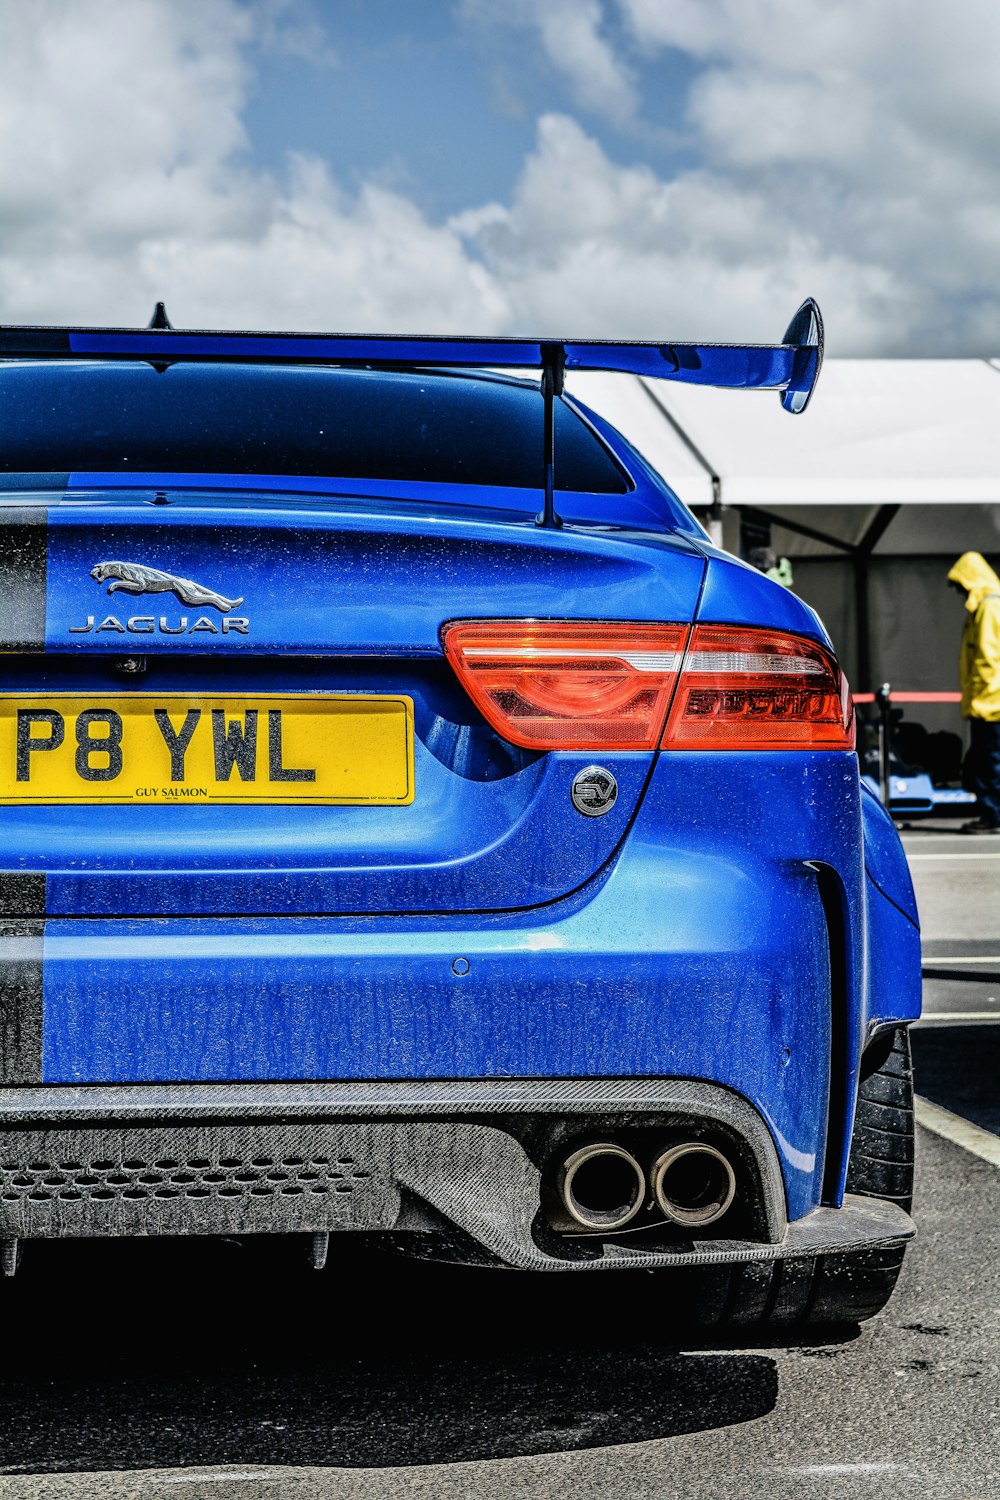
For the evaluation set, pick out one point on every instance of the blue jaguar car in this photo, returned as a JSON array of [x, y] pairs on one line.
[[412, 825]]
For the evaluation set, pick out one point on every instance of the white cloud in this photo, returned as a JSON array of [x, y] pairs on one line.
[[827, 167], [873, 127], [570, 34], [285, 28], [125, 178], [325, 260], [592, 247]]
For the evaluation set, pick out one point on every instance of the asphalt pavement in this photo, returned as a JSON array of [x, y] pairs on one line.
[[198, 1369]]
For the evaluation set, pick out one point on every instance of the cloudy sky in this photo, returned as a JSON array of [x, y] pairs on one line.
[[654, 168]]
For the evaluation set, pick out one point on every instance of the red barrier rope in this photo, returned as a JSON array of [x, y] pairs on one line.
[[883, 723], [910, 697]]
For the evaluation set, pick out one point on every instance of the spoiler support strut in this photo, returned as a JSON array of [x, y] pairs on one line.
[[553, 381]]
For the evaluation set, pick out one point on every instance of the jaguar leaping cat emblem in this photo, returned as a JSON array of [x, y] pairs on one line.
[[136, 578]]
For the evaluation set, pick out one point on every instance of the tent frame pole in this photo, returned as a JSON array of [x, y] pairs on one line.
[[861, 555]]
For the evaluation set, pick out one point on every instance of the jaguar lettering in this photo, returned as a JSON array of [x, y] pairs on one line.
[[162, 625]]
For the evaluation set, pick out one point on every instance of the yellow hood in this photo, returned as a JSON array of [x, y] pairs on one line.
[[974, 573]]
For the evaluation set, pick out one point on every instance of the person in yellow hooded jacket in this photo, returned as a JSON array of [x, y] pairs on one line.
[[979, 673]]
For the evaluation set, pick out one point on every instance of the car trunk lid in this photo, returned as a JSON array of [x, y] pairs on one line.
[[224, 605]]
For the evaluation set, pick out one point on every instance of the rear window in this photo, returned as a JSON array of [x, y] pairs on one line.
[[351, 424]]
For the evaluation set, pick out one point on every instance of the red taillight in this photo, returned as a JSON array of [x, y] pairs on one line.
[[566, 685], [749, 689], [562, 685]]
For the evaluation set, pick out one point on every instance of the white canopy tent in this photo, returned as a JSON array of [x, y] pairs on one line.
[[893, 470], [877, 432]]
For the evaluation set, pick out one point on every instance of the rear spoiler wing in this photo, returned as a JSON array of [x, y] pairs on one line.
[[791, 367]]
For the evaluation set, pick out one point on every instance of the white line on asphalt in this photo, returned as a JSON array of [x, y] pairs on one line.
[[960, 1132], [948, 958], [213, 1478], [824, 1469], [963, 855], [984, 1016], [870, 1468]]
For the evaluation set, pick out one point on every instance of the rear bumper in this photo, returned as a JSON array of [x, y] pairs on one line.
[[449, 1170], [735, 945]]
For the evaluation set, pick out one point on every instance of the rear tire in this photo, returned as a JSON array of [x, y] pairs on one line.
[[881, 1162], [840, 1288]]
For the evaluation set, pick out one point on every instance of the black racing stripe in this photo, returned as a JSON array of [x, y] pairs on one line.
[[23, 536], [22, 894], [29, 341], [34, 479], [21, 1000]]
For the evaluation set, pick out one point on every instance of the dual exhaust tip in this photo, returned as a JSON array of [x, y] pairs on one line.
[[602, 1186]]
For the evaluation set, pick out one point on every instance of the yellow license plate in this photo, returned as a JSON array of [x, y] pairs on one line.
[[318, 748]]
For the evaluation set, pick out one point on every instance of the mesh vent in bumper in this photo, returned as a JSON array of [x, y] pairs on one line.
[[197, 1177], [193, 1180]]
